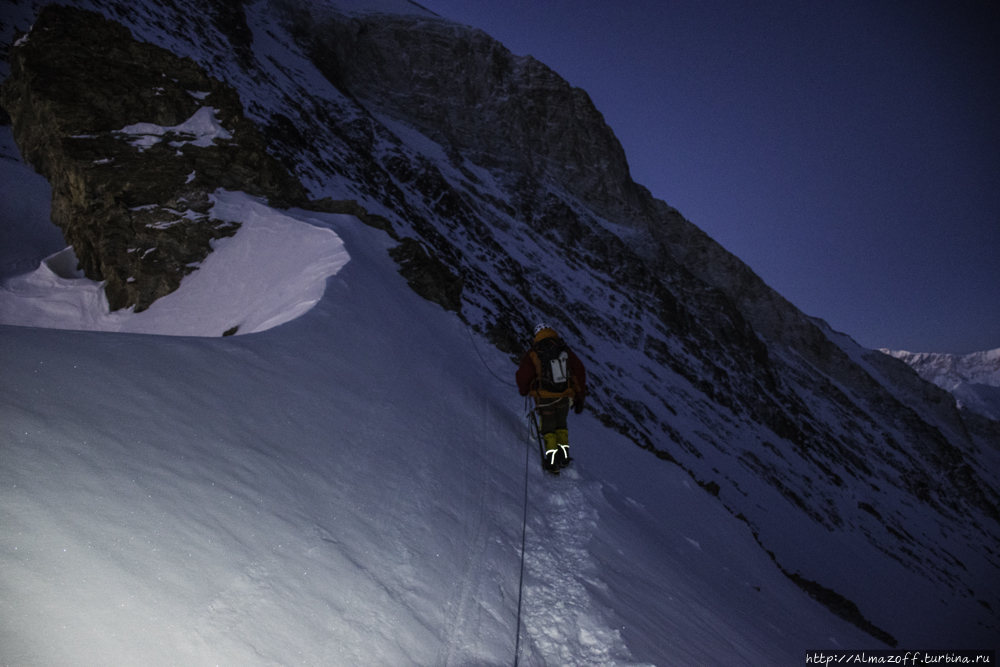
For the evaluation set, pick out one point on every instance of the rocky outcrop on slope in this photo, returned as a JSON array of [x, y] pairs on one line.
[[133, 140], [428, 276]]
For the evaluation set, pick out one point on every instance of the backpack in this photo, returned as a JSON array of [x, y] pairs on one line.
[[551, 356]]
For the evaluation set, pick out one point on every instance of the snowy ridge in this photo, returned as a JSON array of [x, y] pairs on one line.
[[271, 272], [295, 496]]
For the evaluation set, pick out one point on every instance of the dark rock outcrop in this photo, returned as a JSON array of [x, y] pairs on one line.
[[424, 272], [428, 276], [841, 606], [133, 140]]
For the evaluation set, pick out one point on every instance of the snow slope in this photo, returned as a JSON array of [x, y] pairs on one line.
[[348, 489]]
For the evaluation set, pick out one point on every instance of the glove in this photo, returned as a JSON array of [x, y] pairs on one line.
[[578, 404]]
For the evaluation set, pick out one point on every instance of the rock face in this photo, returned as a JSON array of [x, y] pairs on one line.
[[133, 140], [527, 120], [428, 276]]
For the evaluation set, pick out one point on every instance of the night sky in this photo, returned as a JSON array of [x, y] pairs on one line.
[[848, 152]]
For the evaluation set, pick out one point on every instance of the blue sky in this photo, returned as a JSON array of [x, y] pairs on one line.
[[848, 152]]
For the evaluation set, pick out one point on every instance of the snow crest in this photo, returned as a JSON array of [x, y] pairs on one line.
[[271, 272]]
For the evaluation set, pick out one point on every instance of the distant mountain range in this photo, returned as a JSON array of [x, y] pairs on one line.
[[974, 378]]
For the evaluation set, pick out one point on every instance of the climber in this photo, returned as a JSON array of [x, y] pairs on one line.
[[555, 377]]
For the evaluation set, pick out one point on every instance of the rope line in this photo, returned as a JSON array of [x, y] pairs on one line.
[[476, 348], [524, 533], [532, 434]]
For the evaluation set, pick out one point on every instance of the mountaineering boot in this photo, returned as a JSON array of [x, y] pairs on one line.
[[562, 442], [550, 459]]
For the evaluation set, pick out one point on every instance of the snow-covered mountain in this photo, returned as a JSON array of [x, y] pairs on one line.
[[974, 378], [377, 432], [952, 370]]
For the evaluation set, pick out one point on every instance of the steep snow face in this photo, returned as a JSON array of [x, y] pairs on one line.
[[348, 489], [974, 378], [853, 473]]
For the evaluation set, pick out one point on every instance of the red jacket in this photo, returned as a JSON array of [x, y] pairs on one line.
[[526, 374]]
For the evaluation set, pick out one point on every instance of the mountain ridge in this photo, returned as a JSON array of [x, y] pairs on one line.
[[947, 369], [974, 379]]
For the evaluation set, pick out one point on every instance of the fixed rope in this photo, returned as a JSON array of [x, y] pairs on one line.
[[533, 434], [487, 366], [524, 533]]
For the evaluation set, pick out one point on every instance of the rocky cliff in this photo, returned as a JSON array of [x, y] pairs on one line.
[[501, 111], [134, 140]]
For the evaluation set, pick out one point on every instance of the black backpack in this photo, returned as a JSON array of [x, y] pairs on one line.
[[551, 356]]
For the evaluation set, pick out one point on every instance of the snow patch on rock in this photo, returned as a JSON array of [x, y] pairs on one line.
[[204, 128]]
